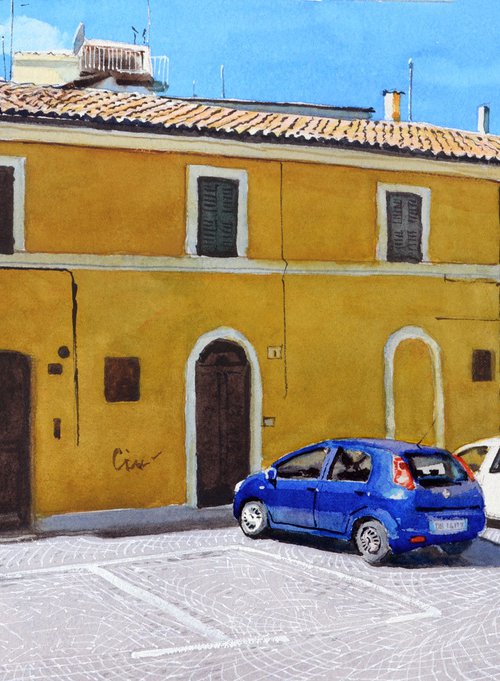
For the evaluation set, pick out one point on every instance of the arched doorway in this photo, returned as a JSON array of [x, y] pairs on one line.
[[15, 405], [235, 337], [222, 386], [414, 392], [414, 387]]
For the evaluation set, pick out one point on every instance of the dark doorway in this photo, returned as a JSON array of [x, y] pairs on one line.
[[222, 421], [15, 392]]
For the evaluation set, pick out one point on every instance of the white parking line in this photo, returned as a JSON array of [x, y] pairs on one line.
[[235, 643], [151, 599], [77, 567], [426, 610]]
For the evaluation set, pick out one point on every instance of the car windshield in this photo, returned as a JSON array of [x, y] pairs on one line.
[[435, 469]]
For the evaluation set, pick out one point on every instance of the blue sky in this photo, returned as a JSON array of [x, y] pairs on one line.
[[342, 52]]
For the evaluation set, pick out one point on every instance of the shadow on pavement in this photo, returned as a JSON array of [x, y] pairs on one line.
[[482, 553], [184, 525], [321, 543]]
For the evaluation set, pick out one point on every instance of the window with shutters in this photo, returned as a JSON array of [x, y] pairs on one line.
[[11, 204], [217, 217], [6, 209], [217, 212], [404, 227], [404, 223]]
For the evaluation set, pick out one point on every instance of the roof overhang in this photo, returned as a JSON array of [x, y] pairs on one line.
[[73, 133]]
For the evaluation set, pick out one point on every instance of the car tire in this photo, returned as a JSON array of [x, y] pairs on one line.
[[371, 541], [253, 519], [455, 548]]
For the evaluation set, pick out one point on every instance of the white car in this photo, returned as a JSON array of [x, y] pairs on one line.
[[483, 458]]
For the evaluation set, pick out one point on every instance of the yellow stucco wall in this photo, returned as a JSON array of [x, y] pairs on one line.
[[335, 371], [331, 214], [330, 381], [102, 201], [414, 418], [36, 312]]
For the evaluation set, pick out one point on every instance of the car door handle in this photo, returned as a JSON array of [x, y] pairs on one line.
[[313, 489], [359, 492]]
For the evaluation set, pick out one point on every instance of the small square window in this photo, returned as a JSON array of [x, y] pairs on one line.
[[122, 379], [482, 365]]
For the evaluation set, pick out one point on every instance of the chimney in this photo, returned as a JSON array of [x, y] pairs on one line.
[[392, 105], [483, 119]]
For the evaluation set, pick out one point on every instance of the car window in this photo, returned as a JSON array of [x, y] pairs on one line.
[[474, 457], [352, 465], [436, 469], [306, 465], [495, 466]]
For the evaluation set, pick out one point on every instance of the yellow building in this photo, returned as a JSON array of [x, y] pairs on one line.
[[189, 291]]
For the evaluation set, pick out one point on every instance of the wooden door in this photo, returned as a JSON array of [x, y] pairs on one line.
[[15, 374], [222, 422]]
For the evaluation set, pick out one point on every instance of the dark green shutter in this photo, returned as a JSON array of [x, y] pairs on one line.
[[404, 227], [6, 209], [217, 217]]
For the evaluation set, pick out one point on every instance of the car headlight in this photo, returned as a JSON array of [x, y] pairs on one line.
[[238, 485]]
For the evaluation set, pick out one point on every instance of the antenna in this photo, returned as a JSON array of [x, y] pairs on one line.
[[427, 433], [223, 84], [11, 37], [3, 54], [135, 34], [149, 26], [410, 89]]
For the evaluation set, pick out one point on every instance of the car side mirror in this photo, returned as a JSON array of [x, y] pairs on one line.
[[271, 474]]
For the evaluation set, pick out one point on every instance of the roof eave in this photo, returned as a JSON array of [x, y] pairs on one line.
[[159, 129]]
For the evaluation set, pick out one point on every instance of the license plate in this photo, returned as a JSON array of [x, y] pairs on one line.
[[448, 526]]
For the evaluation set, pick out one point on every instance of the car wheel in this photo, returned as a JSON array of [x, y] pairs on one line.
[[455, 548], [253, 519], [371, 541]]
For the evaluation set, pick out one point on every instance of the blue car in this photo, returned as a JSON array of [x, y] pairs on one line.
[[384, 495]]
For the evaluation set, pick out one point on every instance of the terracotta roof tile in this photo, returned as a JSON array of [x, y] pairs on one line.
[[250, 122], [163, 115]]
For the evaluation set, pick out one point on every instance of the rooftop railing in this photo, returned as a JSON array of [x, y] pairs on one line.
[[95, 58]]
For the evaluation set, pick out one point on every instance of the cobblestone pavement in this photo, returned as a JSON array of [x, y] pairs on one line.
[[212, 605]]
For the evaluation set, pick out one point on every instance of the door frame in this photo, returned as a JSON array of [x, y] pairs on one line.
[[255, 463], [414, 333]]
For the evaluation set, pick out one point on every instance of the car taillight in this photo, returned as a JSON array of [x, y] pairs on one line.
[[401, 473], [465, 466]]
